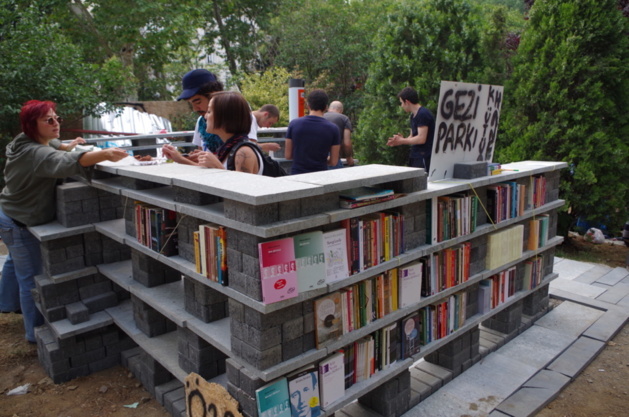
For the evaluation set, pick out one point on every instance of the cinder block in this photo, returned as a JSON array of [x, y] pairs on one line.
[[319, 204], [250, 214], [289, 210], [77, 312], [187, 196], [470, 170], [101, 301]]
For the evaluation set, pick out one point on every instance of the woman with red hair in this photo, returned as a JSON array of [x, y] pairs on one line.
[[31, 174]]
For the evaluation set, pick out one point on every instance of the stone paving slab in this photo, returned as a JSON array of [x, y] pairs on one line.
[[528, 401], [577, 357], [443, 403], [569, 319], [569, 269], [608, 325], [593, 274], [619, 292], [575, 287], [614, 276], [537, 346]]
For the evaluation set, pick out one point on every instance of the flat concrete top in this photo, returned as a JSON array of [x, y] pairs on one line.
[[362, 175], [248, 188]]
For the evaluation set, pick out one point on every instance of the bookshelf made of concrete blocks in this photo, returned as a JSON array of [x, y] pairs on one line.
[[254, 210]]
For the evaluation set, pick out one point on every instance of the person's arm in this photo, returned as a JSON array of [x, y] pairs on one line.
[[246, 160], [348, 151], [89, 159], [333, 160], [419, 139], [69, 146], [288, 152], [269, 146]]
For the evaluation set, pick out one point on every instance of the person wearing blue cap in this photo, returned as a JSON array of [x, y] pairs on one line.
[[198, 86]]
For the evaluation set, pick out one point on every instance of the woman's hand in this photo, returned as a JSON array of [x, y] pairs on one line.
[[78, 141], [209, 160], [114, 154]]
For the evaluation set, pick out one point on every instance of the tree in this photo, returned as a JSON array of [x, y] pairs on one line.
[[419, 44], [569, 101], [268, 87]]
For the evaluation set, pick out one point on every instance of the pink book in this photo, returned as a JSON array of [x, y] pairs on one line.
[[278, 270]]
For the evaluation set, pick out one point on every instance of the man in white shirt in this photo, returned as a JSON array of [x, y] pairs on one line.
[[265, 116]]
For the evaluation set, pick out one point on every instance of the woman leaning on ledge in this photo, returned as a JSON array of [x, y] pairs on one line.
[[32, 172]]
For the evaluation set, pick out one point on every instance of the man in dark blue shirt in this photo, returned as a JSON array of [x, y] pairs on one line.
[[422, 130], [311, 139]]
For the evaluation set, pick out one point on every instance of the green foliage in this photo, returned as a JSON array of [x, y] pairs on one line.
[[419, 44], [569, 101], [269, 87]]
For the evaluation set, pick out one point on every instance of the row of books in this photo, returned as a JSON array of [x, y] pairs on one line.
[[441, 319], [496, 289], [365, 196], [373, 239], [210, 252], [456, 216], [358, 305], [505, 201], [156, 228], [451, 267]]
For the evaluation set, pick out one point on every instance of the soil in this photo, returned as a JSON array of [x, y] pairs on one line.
[[600, 390]]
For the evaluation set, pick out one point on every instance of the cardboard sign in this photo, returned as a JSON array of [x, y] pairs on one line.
[[466, 126], [208, 399]]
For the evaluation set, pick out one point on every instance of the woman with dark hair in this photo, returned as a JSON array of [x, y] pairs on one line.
[[229, 117], [31, 174]]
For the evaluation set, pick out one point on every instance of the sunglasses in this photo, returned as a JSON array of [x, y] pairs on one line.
[[51, 120]]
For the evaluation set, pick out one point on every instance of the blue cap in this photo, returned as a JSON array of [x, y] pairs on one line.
[[193, 81]]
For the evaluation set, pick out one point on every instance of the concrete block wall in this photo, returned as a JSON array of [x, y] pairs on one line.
[[204, 302], [79, 204], [80, 355], [150, 272], [508, 320], [150, 321], [264, 340], [71, 253], [459, 354], [392, 398], [197, 355]]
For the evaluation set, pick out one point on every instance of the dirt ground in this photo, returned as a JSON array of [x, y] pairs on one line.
[[600, 390]]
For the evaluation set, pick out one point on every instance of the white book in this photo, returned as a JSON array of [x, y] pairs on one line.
[[410, 284], [331, 379], [335, 251], [310, 259]]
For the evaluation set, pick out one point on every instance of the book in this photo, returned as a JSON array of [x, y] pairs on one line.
[[310, 259], [197, 252], [331, 379], [303, 391], [410, 335], [278, 270], [350, 203], [364, 193], [328, 318], [272, 399], [410, 284], [335, 253]]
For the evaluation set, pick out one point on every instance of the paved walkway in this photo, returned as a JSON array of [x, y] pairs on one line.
[[525, 374]]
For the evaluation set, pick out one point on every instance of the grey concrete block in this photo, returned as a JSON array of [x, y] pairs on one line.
[[247, 213], [187, 196], [470, 170], [163, 389], [77, 312], [101, 301]]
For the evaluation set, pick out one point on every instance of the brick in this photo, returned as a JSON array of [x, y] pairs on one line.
[[470, 170], [77, 312]]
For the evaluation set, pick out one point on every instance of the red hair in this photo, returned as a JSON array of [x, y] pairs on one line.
[[31, 111]]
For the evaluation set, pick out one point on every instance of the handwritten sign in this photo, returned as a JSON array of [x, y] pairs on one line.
[[466, 126], [208, 399]]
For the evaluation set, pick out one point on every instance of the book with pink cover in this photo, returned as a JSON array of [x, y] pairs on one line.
[[278, 270]]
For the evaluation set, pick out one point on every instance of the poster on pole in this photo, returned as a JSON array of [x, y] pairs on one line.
[[466, 126]]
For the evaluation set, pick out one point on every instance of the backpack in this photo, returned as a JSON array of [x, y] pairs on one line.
[[272, 168]]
